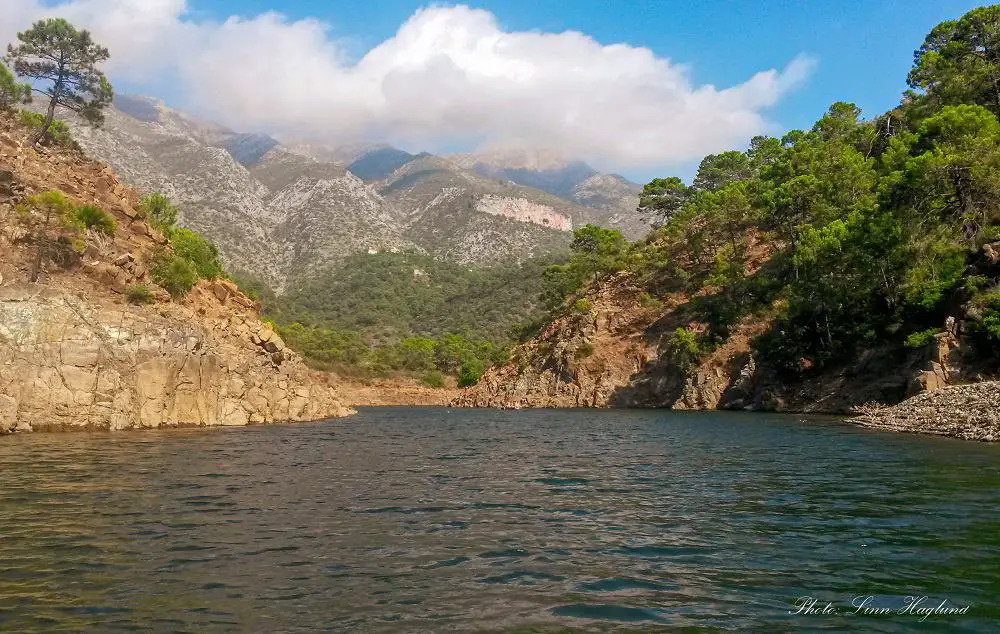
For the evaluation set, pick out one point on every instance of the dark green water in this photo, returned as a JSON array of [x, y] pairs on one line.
[[428, 520]]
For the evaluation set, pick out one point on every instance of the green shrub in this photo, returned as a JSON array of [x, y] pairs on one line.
[[648, 301], [200, 252], [987, 329], [584, 350], [12, 93], [433, 379], [583, 306], [684, 349], [58, 132], [417, 353], [138, 294], [175, 274], [470, 372], [157, 209], [96, 218], [921, 339]]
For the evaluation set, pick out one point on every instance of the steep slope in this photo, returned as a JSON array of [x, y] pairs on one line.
[[546, 170], [274, 213], [615, 199], [618, 353], [377, 163], [75, 355], [216, 195], [322, 214]]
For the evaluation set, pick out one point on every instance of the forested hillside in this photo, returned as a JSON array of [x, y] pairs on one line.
[[879, 229], [854, 235], [407, 312]]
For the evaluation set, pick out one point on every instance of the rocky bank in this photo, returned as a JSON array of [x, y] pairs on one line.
[[76, 355], [614, 350], [969, 411]]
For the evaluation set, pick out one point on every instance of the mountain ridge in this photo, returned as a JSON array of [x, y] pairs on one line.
[[281, 214]]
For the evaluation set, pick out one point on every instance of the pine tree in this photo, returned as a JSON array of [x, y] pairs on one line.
[[54, 51]]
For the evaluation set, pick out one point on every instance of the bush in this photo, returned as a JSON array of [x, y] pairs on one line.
[[58, 132], [584, 350], [470, 372], [684, 349], [921, 339], [583, 306], [433, 379], [417, 353], [96, 218], [138, 294], [987, 329], [157, 209], [11, 92], [648, 301], [175, 274], [200, 252]]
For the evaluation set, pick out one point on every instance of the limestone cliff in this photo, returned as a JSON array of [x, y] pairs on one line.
[[74, 354]]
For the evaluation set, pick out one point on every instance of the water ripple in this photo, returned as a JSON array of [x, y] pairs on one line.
[[417, 520]]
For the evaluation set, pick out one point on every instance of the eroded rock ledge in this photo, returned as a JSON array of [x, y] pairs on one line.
[[70, 363]]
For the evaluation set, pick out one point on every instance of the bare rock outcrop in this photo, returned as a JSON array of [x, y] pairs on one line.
[[580, 360], [69, 363]]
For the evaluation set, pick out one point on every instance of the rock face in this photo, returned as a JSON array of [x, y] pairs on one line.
[[66, 363], [969, 411], [523, 210], [580, 360], [453, 213], [611, 199], [618, 354], [74, 354]]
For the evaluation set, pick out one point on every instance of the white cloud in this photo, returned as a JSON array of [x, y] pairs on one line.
[[449, 77]]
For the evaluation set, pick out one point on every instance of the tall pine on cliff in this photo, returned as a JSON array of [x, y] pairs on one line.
[[63, 62]]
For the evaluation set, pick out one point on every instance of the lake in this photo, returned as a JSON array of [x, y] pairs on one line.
[[427, 520]]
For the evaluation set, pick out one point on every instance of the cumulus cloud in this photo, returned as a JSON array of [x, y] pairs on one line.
[[450, 77]]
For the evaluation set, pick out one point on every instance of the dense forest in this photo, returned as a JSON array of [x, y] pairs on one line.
[[854, 233]]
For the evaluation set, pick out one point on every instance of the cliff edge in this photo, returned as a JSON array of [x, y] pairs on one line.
[[75, 354]]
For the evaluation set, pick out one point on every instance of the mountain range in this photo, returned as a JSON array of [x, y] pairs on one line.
[[287, 212]]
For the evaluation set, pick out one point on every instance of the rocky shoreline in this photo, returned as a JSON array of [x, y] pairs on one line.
[[970, 412]]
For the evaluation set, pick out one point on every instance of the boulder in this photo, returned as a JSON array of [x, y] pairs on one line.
[[224, 289], [107, 274], [992, 252], [8, 414], [124, 259]]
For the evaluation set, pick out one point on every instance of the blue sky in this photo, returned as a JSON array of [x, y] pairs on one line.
[[690, 78], [863, 48]]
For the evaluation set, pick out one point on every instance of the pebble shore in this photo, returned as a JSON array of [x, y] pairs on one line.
[[971, 412]]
